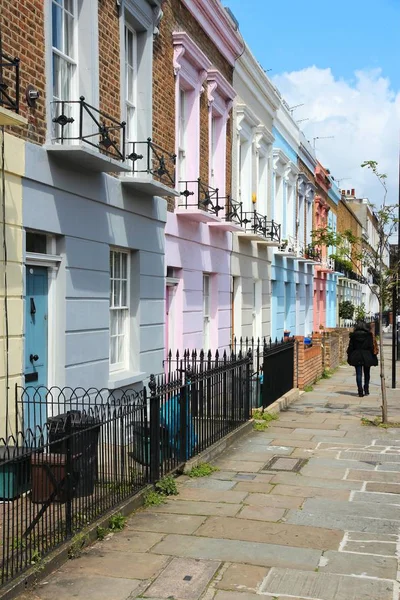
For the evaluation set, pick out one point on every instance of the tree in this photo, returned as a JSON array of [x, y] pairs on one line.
[[346, 309], [361, 258]]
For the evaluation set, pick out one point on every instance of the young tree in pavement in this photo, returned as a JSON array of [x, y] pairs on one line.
[[354, 255]]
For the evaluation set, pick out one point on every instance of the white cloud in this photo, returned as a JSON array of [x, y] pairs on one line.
[[364, 117]]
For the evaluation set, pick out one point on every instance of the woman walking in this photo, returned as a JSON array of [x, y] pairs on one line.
[[361, 354]]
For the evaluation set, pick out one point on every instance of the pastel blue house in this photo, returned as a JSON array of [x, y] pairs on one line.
[[332, 277]]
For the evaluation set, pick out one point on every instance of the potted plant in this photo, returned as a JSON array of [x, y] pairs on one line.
[[286, 334]]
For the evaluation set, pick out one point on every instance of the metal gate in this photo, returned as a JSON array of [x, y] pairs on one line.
[[278, 370]]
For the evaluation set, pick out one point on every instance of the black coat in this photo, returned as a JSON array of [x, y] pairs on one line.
[[361, 349]]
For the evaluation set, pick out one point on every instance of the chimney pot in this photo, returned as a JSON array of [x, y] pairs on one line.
[[348, 192], [353, 192]]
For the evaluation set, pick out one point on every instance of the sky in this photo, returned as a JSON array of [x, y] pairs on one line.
[[342, 61]]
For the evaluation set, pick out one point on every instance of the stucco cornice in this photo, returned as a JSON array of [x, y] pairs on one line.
[[243, 113], [184, 46], [249, 71], [264, 136], [214, 20], [218, 86], [280, 161]]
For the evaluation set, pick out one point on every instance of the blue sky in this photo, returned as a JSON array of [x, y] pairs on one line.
[[344, 35], [342, 61]]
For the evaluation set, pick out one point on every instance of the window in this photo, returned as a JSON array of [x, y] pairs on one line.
[[206, 312], [256, 312], [119, 309], [63, 47], [182, 135], [63, 23], [213, 152], [130, 82]]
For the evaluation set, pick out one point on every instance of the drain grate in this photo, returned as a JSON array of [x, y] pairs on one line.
[[283, 463]]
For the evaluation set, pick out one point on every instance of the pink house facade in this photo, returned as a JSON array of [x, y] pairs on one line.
[[198, 232], [323, 268]]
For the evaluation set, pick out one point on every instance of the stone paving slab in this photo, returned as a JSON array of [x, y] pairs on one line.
[[367, 509], [275, 501], [272, 533], [321, 432], [135, 565], [378, 537], [183, 579], [371, 456], [346, 563], [385, 488], [210, 484], [342, 521], [253, 486], [164, 523], [81, 586], [289, 442], [378, 476], [377, 498], [325, 586], [389, 467], [130, 541], [303, 480], [204, 495], [237, 465], [224, 475], [310, 492], [242, 578], [261, 513], [338, 464], [253, 553], [323, 472], [188, 507], [382, 548]]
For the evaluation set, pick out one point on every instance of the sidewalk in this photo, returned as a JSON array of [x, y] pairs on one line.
[[309, 508]]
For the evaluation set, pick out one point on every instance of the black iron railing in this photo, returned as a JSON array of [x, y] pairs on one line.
[[148, 157], [233, 211], [9, 85], [348, 272], [200, 195], [312, 253], [258, 223], [76, 120]]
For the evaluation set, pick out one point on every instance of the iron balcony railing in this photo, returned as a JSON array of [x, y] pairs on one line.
[[197, 194], [149, 158], [9, 90], [233, 211], [258, 223], [76, 120], [347, 272], [312, 253]]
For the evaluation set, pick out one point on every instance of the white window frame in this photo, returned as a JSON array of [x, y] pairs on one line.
[[67, 62], [123, 363], [182, 133], [130, 64], [206, 310]]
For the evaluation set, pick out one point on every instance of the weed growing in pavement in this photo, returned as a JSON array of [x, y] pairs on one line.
[[262, 420], [326, 374], [308, 388], [153, 498], [78, 542], [377, 422], [101, 532], [117, 522], [167, 486], [202, 470]]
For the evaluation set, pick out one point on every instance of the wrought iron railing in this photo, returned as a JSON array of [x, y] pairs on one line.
[[9, 90], [233, 211], [148, 157], [312, 253], [76, 120], [347, 272], [259, 224], [204, 196]]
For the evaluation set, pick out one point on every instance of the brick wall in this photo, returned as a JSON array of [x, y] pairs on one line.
[[177, 18], [22, 28], [109, 59], [309, 362]]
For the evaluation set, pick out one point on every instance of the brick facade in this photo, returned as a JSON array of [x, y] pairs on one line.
[[309, 362], [22, 29], [109, 59], [347, 220], [177, 18]]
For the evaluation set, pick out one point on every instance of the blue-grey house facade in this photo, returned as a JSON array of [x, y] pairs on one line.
[[94, 205]]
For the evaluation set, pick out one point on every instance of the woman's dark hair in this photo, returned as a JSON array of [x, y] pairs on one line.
[[362, 325]]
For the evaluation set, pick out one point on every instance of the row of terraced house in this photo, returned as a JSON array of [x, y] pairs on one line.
[[157, 194]]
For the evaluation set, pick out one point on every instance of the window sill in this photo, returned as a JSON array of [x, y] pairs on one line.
[[124, 378]]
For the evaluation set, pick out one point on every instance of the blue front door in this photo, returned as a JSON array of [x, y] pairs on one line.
[[36, 310]]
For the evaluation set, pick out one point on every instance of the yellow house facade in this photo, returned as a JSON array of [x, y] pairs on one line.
[[12, 166]]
